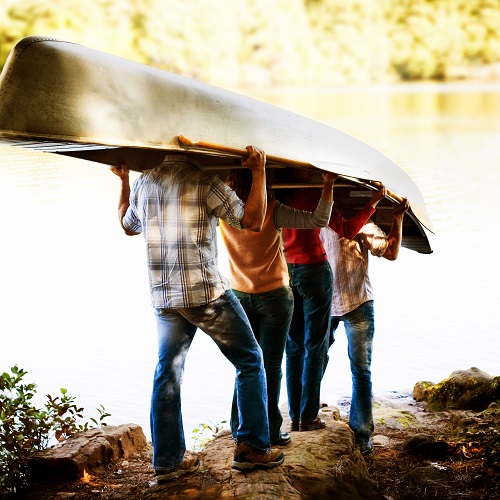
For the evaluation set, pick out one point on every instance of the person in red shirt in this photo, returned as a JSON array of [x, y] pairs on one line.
[[311, 281]]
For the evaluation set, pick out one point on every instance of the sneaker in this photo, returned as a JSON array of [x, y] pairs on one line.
[[311, 425], [187, 466], [247, 458], [283, 439]]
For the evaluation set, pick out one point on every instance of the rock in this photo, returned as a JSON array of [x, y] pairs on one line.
[[395, 411], [426, 445], [381, 441], [420, 390], [470, 389], [87, 451], [430, 480], [320, 464]]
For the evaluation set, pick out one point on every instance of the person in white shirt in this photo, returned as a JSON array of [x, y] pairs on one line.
[[353, 305]]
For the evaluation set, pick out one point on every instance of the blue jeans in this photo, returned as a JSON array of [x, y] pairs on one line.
[[306, 344], [224, 320], [360, 329], [269, 314]]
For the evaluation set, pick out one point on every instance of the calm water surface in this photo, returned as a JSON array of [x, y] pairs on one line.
[[74, 295]]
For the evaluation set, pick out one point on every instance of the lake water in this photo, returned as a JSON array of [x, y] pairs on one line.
[[74, 296]]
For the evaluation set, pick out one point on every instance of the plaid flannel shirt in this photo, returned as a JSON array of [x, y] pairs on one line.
[[176, 206]]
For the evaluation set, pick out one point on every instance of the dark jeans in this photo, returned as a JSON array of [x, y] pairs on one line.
[[307, 340], [269, 314]]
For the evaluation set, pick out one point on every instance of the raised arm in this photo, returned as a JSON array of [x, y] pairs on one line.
[[288, 217], [350, 228], [124, 201], [256, 204], [396, 234], [328, 180]]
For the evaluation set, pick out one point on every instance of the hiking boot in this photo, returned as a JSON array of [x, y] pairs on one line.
[[187, 466], [247, 458], [311, 425]]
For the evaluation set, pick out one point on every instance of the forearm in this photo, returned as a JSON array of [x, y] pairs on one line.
[[124, 200], [256, 205], [327, 192], [394, 239], [289, 217], [124, 203], [350, 228]]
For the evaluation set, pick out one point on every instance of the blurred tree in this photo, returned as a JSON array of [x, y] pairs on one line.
[[351, 38], [259, 42], [443, 38]]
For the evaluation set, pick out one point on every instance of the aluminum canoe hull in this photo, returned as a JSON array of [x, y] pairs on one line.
[[68, 99]]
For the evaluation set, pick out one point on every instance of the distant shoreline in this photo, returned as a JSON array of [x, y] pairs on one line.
[[469, 85]]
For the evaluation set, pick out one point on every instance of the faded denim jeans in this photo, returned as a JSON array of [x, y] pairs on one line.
[[360, 329], [306, 345], [269, 314], [225, 321]]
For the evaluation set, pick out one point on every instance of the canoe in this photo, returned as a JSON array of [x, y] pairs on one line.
[[64, 98]]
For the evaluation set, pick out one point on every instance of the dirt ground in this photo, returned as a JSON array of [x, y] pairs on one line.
[[449, 456], [460, 470]]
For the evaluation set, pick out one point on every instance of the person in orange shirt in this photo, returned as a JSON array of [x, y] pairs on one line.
[[259, 278]]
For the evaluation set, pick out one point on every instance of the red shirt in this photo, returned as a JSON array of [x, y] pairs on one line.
[[303, 246]]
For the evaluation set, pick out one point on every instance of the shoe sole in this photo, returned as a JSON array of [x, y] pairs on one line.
[[243, 466], [366, 452], [284, 443], [166, 478], [305, 428]]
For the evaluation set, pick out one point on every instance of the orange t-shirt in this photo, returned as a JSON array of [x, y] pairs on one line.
[[256, 260]]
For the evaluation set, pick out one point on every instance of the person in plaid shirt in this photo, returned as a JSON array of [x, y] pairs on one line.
[[176, 206]]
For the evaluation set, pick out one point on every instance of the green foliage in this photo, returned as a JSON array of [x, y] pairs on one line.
[[205, 433], [25, 429], [274, 41]]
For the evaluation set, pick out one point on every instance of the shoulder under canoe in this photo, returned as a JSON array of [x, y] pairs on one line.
[[68, 99]]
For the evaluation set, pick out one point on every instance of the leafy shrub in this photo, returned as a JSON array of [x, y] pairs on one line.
[[25, 429], [205, 433]]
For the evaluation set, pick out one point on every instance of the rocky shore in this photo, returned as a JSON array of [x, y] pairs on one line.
[[442, 441]]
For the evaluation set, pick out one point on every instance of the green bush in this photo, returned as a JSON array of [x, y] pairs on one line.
[[25, 429], [204, 433]]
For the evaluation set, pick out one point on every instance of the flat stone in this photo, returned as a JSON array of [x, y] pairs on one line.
[[87, 451]]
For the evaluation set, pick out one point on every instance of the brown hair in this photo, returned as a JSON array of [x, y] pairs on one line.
[[240, 181]]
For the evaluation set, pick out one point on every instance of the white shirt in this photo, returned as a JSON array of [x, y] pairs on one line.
[[349, 262]]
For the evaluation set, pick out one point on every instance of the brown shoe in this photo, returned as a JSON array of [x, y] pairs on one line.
[[247, 458], [187, 466], [294, 425], [311, 425]]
